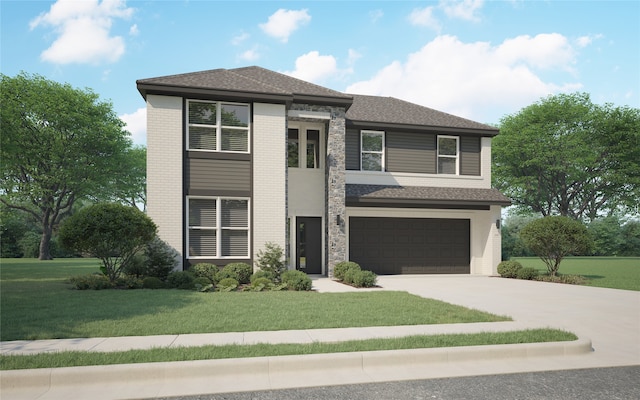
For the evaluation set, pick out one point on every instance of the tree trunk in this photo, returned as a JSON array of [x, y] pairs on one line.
[[45, 244]]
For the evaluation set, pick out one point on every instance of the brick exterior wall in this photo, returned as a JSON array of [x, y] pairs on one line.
[[164, 168], [269, 176]]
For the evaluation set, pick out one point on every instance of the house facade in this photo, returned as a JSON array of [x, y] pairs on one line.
[[241, 157]]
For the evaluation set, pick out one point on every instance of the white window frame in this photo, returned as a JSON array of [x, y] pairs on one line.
[[218, 126], [219, 228], [456, 157], [362, 151]]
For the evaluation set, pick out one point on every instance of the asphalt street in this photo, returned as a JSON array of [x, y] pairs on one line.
[[620, 383]]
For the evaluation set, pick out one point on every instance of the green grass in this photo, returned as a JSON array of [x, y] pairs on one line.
[[69, 359], [36, 303], [606, 272]]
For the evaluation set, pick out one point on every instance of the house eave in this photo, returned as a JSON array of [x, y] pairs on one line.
[[423, 128], [183, 91]]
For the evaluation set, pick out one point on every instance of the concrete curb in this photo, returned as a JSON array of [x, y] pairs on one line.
[[262, 373]]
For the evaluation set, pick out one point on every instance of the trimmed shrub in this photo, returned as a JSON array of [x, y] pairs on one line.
[[241, 272], [260, 284], [90, 282], [129, 282], [227, 285], [151, 282], [181, 280], [527, 273], [160, 259], [205, 270], [262, 274], [202, 284], [341, 269], [568, 279], [112, 232], [363, 278], [509, 269], [296, 280], [271, 259]]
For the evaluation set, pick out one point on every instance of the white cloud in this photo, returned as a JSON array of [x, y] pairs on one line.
[[424, 17], [283, 23], [83, 31], [465, 9], [474, 80], [353, 57], [375, 15], [134, 31], [249, 55], [313, 67], [584, 41], [238, 39], [136, 125]]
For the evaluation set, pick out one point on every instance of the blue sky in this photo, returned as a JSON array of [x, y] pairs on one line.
[[477, 59]]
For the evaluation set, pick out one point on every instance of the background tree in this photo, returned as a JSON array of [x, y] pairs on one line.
[[112, 232], [58, 145], [565, 155], [555, 237], [512, 245], [129, 183]]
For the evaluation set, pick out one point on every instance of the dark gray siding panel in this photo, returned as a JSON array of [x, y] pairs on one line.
[[411, 152], [352, 149], [469, 155], [218, 175]]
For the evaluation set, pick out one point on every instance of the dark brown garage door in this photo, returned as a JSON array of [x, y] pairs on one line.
[[410, 245]]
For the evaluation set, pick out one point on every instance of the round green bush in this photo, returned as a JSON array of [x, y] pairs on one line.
[[296, 280], [152, 282], [227, 285], [261, 284], [527, 273], [509, 269], [350, 275], [263, 274], [202, 284], [241, 272], [91, 282], [205, 270], [341, 268], [181, 280], [364, 279]]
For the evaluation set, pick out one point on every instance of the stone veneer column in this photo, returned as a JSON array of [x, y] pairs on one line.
[[335, 195]]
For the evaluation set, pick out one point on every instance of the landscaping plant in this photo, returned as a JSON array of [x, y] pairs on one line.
[[271, 260]]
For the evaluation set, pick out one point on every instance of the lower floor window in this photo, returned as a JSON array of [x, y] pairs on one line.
[[218, 227]]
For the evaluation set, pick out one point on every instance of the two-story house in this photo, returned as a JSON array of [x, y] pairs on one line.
[[240, 157]]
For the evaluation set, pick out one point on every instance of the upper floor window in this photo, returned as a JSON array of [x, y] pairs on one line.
[[372, 151], [448, 150], [303, 148], [217, 126]]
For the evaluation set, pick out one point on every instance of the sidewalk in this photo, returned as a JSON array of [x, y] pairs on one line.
[[615, 312]]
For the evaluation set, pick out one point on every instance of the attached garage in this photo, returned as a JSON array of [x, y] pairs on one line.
[[411, 245]]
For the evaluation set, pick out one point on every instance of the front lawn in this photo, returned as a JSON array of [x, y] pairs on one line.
[[606, 272], [36, 303]]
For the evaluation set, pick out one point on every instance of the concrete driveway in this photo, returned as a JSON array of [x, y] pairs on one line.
[[609, 317]]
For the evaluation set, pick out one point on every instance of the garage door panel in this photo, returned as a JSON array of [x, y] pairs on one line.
[[410, 245]]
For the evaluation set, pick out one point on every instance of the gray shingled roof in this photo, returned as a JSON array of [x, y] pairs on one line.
[[389, 110], [249, 80], [361, 108], [427, 195]]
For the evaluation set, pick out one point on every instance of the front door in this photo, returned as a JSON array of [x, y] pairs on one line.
[[309, 244]]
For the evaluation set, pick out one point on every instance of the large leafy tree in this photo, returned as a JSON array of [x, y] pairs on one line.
[[565, 155], [58, 145]]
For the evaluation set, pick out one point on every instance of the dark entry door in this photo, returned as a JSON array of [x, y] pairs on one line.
[[309, 245]]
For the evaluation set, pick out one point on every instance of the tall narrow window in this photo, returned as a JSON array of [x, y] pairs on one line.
[[313, 148], [202, 227], [217, 126], [293, 149], [372, 151], [448, 155]]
